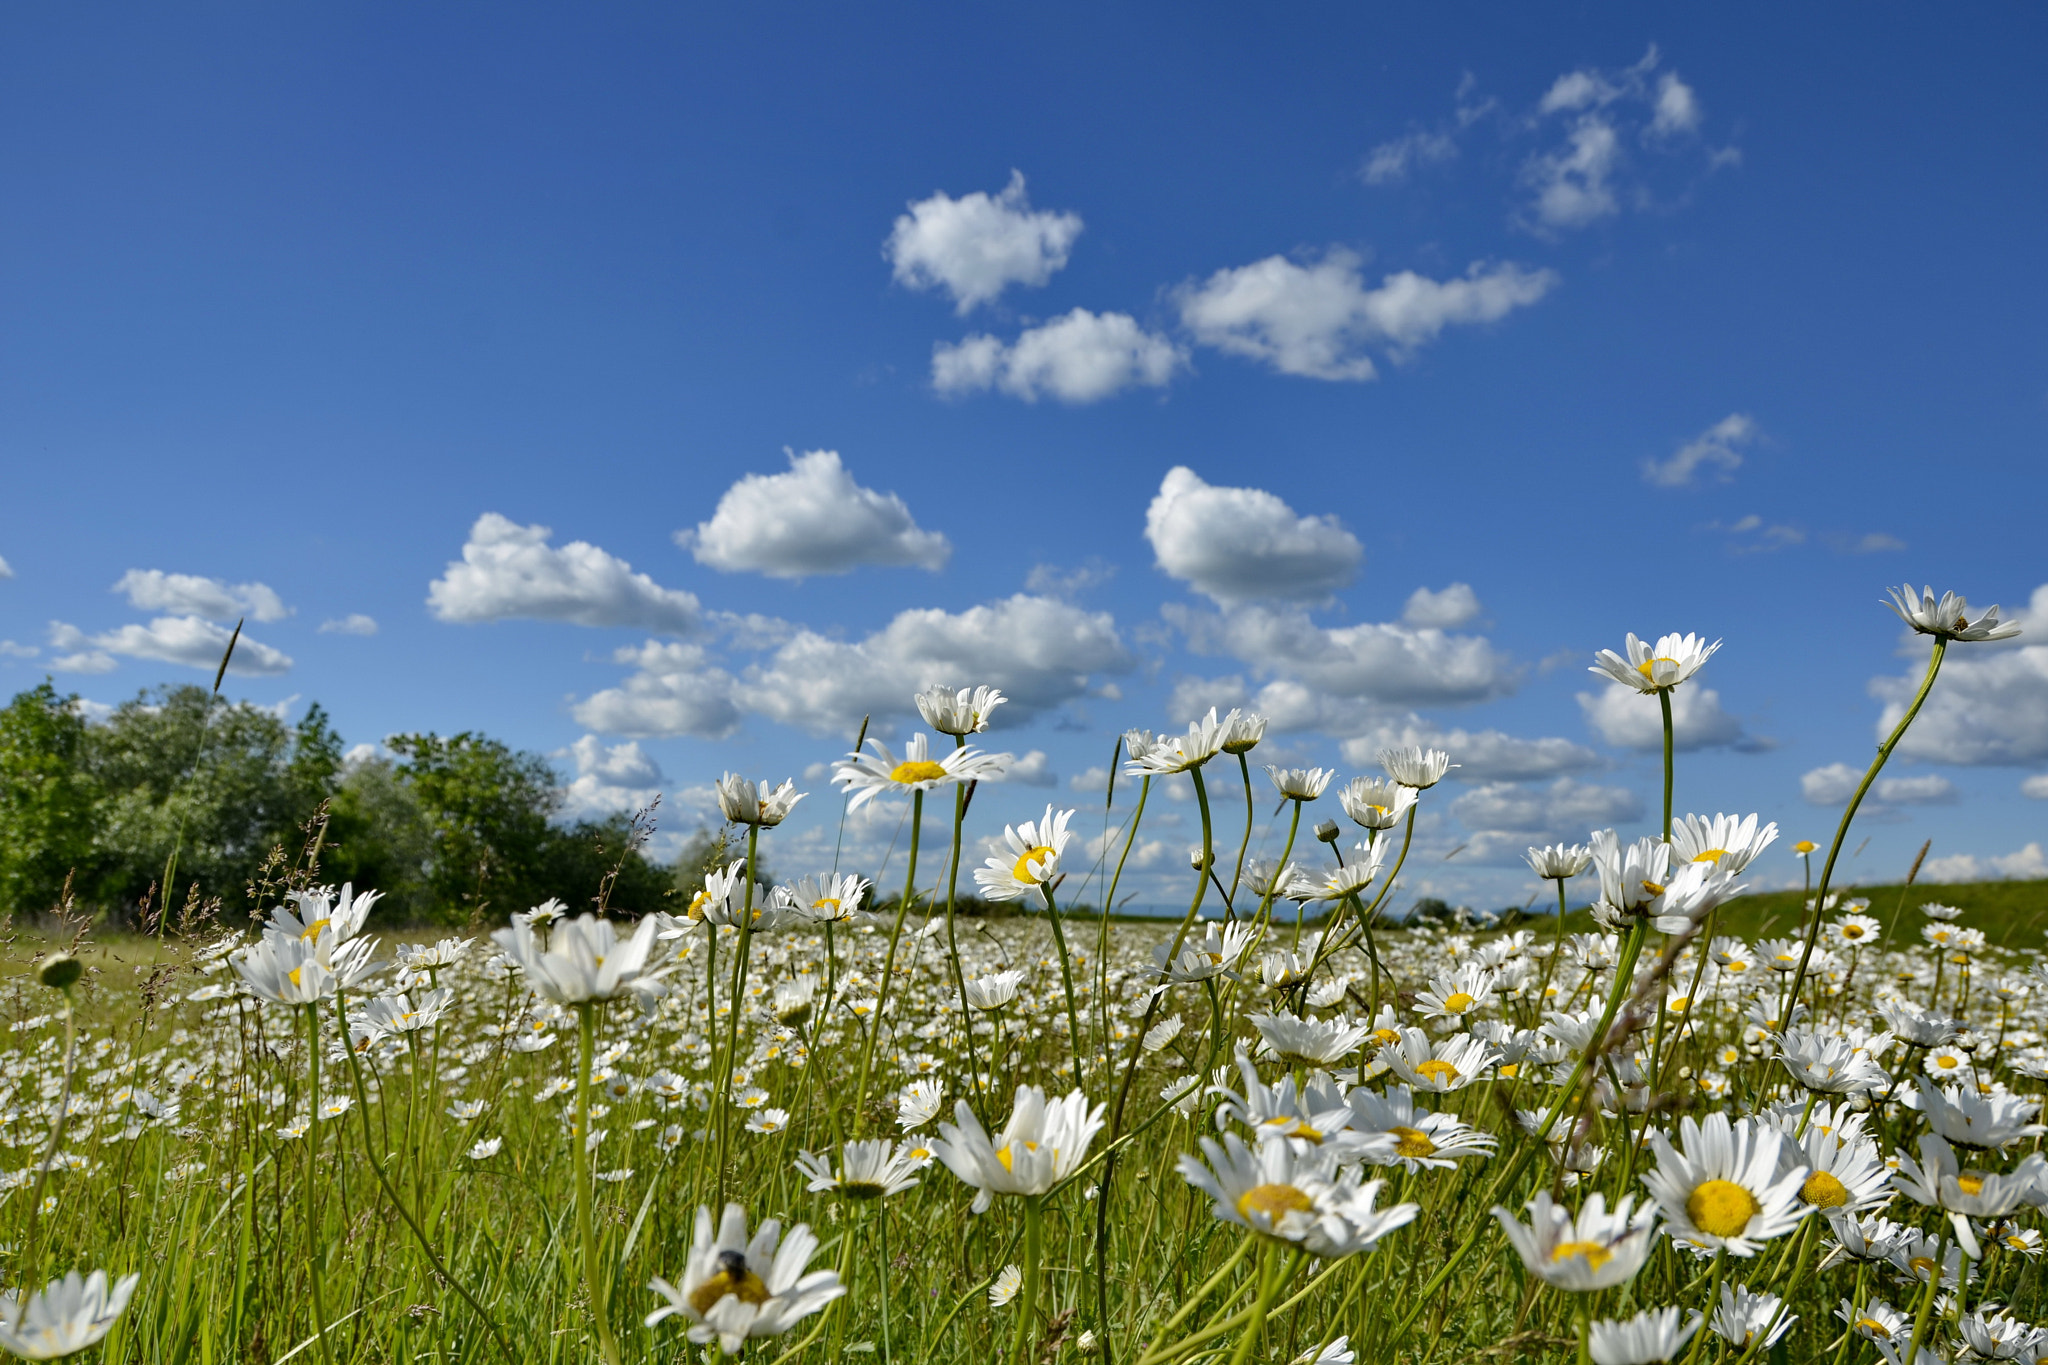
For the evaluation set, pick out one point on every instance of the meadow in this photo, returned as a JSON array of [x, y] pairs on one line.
[[794, 1121]]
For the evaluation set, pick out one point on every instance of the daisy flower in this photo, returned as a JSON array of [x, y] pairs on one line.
[[1353, 877], [1309, 1042], [584, 959], [1745, 1314], [1845, 1174], [1242, 731], [1968, 1118], [830, 899], [1854, 931], [1210, 956], [1376, 802], [1277, 1193], [1450, 1064], [1730, 842], [1645, 1339], [1829, 1065], [1300, 784], [743, 802], [1040, 1146], [1415, 766], [1595, 1250], [866, 776], [1727, 1188], [1150, 757], [1453, 995], [734, 1287], [1421, 1138], [66, 1317], [993, 990], [1648, 668], [867, 1170], [960, 713], [1034, 857], [1560, 862], [1949, 617]]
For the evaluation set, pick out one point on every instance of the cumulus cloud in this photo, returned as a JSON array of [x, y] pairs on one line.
[[1089, 780], [186, 640], [1236, 544], [1317, 318], [10, 650], [1834, 784], [1446, 610], [1571, 185], [6, 570], [1871, 543], [355, 623], [1506, 818], [1718, 449], [674, 690], [608, 778], [1990, 706], [812, 519], [1629, 719], [1387, 663], [1080, 357], [184, 594], [510, 571], [2028, 864], [1751, 535], [1677, 107], [978, 245], [1481, 755], [1390, 162], [1040, 651], [1578, 180], [2035, 786], [1033, 769], [1055, 581]]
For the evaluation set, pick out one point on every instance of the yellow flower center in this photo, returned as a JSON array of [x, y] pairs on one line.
[[745, 1286], [1947, 1062], [1875, 1328], [1712, 855], [1385, 1035], [294, 974], [1412, 1142], [1852, 931], [1437, 1070], [1457, 1002], [1274, 1201], [1022, 871], [697, 904], [1721, 1208], [1648, 667], [1970, 1183], [1823, 1191], [826, 903], [926, 771], [1680, 1004], [1805, 846], [1003, 1153], [2016, 1242], [1921, 1265], [312, 930], [1596, 1255], [1653, 888]]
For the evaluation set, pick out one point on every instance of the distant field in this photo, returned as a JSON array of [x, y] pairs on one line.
[[2011, 914]]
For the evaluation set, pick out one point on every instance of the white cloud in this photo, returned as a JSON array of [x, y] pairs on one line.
[[2028, 864], [1316, 319], [1446, 610], [1055, 581], [1506, 818], [1678, 108], [1629, 719], [1080, 357], [1034, 769], [355, 623], [813, 519], [1481, 755], [1039, 651], [1834, 784], [1236, 544], [1380, 662], [508, 570], [167, 639], [10, 650], [1752, 535], [184, 594], [1717, 448], [2035, 786], [976, 246], [6, 569], [1089, 780], [1989, 706], [1871, 543], [1572, 185], [608, 778], [1390, 162], [673, 691]]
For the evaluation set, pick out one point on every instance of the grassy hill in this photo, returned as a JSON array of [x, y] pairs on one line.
[[2011, 914]]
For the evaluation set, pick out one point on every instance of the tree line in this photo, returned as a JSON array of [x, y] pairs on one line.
[[224, 796]]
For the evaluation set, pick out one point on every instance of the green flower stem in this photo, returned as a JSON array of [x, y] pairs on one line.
[[1271, 1277], [1109, 900], [1244, 769], [953, 942], [867, 1055], [1699, 1340], [1926, 1313], [1201, 1295], [1059, 939], [722, 1097], [579, 1147], [315, 1271], [35, 1204], [1664, 701], [1026, 1302], [1827, 869]]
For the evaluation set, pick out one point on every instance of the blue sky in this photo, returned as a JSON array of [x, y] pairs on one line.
[[1623, 320]]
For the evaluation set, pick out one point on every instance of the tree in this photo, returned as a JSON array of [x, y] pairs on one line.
[[46, 800], [487, 807], [576, 860], [379, 838]]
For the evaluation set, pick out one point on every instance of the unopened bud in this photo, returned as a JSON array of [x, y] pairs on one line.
[[60, 971], [1329, 831]]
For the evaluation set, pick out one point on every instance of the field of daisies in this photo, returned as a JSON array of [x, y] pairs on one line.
[[825, 1121]]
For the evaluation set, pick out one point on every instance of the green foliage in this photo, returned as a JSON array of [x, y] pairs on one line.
[[574, 863], [487, 807], [378, 836], [46, 803], [2011, 914]]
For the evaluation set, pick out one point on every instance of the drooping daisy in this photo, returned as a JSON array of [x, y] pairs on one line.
[[1032, 861], [1969, 1118], [993, 990], [1655, 668], [1242, 731], [960, 713], [1949, 617], [1421, 1138], [868, 775], [871, 1169], [1938, 1180], [1727, 1188], [1875, 1320], [745, 802], [1449, 1064], [1560, 862], [1744, 1315], [919, 1104], [1632, 876], [734, 1288], [1645, 1339], [1729, 842], [1041, 1145], [1595, 1250], [1300, 784], [1309, 1042]]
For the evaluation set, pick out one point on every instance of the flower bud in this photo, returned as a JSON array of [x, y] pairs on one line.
[[60, 971], [1329, 831]]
